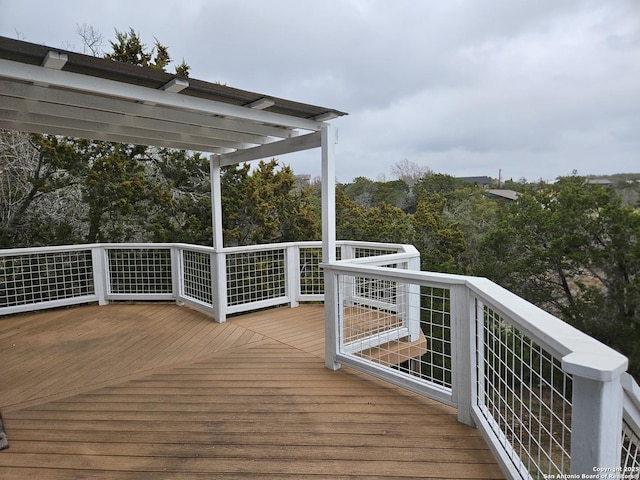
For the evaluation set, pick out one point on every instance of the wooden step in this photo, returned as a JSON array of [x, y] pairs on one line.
[[396, 352]]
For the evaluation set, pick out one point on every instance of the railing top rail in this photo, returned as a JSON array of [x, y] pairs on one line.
[[7, 252], [581, 354], [364, 265]]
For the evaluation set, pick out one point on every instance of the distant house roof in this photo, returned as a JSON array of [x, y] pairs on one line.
[[510, 195], [478, 181], [605, 182]]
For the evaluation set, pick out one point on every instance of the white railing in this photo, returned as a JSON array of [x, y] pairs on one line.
[[550, 400], [223, 282]]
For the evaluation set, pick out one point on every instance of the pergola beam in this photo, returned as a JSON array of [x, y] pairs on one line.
[[135, 93], [283, 147], [94, 103]]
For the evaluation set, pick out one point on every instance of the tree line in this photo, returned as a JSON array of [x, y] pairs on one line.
[[570, 247]]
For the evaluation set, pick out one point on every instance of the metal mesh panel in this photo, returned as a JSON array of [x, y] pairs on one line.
[[435, 321], [526, 398], [255, 276], [363, 252], [630, 463], [45, 277], [399, 326], [197, 276], [140, 270], [311, 275]]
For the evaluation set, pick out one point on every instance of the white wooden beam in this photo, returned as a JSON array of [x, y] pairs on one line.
[[55, 60], [137, 110], [283, 147], [153, 127], [87, 130], [100, 86], [261, 104], [175, 85]]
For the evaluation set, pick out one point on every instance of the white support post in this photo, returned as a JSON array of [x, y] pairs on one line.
[[328, 141], [219, 285], [177, 278], [412, 291], [463, 333], [218, 260], [99, 274], [292, 260], [596, 412], [216, 202]]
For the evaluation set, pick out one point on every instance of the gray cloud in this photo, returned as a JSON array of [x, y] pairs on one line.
[[535, 89]]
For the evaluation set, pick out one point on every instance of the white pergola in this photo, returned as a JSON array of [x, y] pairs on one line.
[[48, 90]]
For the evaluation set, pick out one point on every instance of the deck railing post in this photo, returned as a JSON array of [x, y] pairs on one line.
[[292, 260], [219, 285], [464, 360], [177, 278], [98, 260], [596, 413], [332, 310], [413, 301]]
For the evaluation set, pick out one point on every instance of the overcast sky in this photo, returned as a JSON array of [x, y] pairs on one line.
[[536, 89]]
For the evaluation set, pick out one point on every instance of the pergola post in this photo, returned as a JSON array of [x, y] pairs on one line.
[[328, 141], [218, 259]]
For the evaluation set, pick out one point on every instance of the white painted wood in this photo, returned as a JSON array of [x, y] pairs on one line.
[[218, 258], [175, 85], [98, 262], [36, 123], [111, 121], [328, 179], [216, 202], [219, 285], [464, 361], [292, 280], [596, 423], [333, 305], [10, 89], [283, 147], [100, 86], [261, 104], [412, 301], [55, 60]]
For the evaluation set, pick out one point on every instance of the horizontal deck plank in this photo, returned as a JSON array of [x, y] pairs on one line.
[[244, 399]]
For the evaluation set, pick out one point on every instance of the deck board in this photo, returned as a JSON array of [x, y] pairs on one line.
[[162, 392]]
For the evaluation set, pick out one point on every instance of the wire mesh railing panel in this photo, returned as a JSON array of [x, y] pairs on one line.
[[196, 268], [375, 292], [140, 271], [630, 460], [255, 276], [435, 323], [363, 252], [525, 397], [45, 277], [311, 275], [402, 327]]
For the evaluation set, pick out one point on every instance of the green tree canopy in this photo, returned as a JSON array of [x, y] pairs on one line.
[[572, 249]]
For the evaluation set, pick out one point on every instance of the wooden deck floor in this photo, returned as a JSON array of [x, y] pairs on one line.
[[156, 391]]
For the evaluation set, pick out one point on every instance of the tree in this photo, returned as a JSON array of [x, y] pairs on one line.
[[128, 48], [39, 181], [573, 249], [439, 241], [265, 206], [409, 172]]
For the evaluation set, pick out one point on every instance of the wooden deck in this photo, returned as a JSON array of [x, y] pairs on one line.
[[156, 391]]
